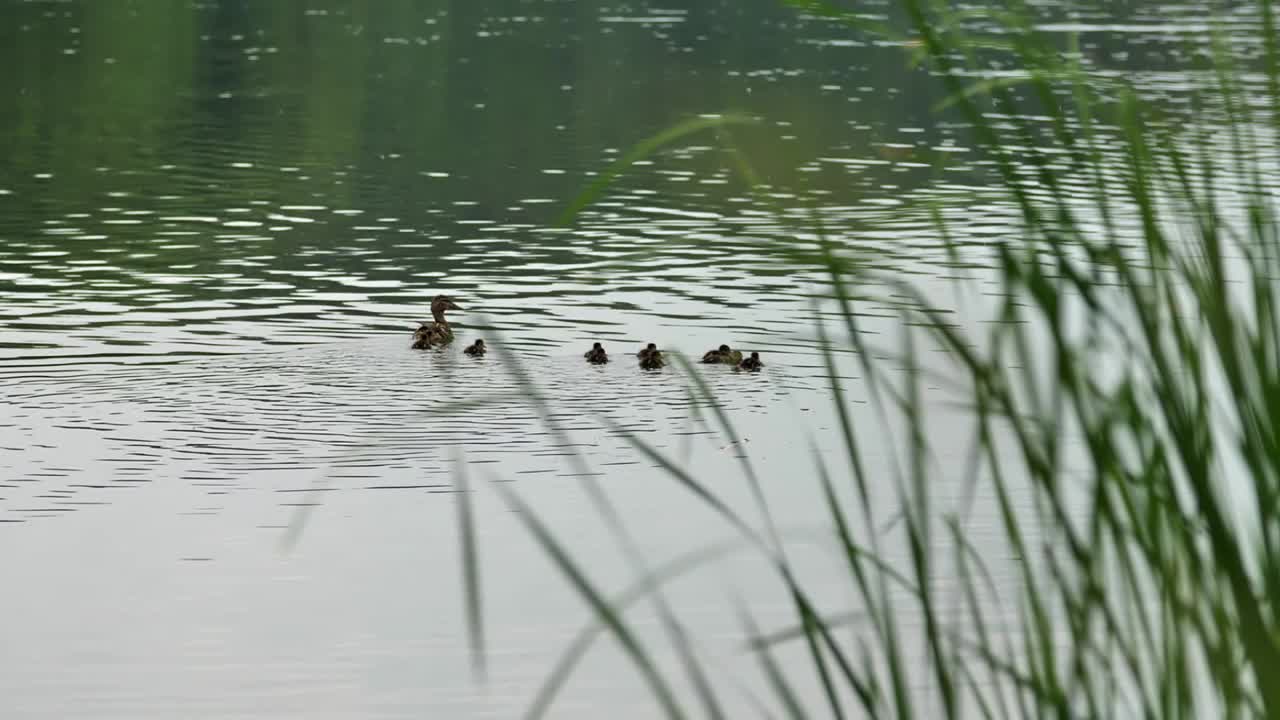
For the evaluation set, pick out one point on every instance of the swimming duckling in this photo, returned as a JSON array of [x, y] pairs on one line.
[[476, 349], [752, 363], [596, 355], [724, 355], [437, 332], [651, 358]]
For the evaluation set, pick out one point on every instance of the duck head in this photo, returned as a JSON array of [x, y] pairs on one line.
[[724, 348], [439, 304]]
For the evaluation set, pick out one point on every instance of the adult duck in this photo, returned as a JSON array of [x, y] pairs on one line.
[[722, 355], [437, 332]]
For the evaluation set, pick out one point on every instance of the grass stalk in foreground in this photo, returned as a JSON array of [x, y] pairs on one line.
[[1124, 416]]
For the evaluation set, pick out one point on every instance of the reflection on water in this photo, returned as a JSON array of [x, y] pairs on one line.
[[366, 416], [220, 221]]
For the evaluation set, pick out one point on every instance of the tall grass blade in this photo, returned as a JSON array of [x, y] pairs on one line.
[[643, 150], [607, 614], [473, 599]]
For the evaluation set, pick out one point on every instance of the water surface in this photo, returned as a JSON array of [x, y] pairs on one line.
[[220, 221]]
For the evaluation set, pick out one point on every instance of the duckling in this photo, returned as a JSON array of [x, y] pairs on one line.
[[437, 332], [722, 354], [651, 358], [476, 349], [752, 363], [596, 355]]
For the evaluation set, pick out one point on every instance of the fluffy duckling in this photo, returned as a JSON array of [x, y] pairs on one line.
[[651, 358], [752, 363], [437, 332], [722, 354], [476, 349], [596, 355]]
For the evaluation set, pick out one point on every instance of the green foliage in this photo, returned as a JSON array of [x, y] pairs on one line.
[[1124, 412]]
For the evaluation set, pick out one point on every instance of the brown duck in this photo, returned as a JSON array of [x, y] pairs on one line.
[[475, 349], [651, 357], [752, 363], [596, 355], [437, 332], [724, 355]]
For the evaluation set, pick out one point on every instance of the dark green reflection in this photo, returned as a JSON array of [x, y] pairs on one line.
[[267, 161]]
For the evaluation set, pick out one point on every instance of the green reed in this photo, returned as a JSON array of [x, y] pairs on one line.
[[1124, 418]]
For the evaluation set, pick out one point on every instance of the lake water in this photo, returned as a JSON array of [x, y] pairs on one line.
[[219, 223]]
